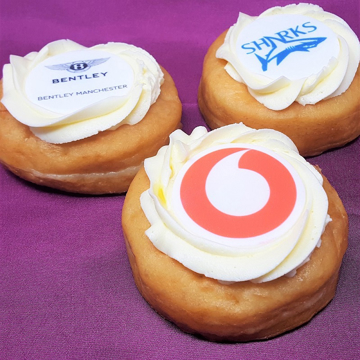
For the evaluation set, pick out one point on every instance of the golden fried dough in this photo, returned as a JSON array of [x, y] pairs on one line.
[[103, 163], [313, 128], [240, 311]]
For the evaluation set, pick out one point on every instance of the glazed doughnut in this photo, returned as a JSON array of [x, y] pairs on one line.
[[314, 127], [105, 162], [228, 310]]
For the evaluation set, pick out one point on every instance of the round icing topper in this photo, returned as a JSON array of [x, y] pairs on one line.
[[238, 195], [294, 46], [71, 81]]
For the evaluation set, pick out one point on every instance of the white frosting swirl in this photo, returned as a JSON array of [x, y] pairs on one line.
[[222, 261], [104, 106], [329, 76]]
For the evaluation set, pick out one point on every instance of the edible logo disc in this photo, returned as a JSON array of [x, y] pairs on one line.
[[238, 194], [69, 82], [294, 46]]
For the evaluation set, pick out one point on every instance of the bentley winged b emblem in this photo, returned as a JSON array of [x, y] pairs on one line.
[[78, 66]]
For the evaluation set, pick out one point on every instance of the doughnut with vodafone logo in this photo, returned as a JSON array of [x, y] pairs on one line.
[[84, 119], [232, 235], [294, 69]]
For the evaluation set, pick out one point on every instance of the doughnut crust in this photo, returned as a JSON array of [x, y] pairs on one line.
[[101, 164], [314, 129], [241, 311]]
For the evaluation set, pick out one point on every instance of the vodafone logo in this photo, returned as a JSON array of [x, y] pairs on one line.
[[238, 194]]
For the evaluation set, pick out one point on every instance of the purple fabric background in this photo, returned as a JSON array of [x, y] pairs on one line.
[[66, 288]]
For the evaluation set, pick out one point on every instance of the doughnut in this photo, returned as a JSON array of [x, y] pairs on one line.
[[189, 283], [101, 160], [235, 88]]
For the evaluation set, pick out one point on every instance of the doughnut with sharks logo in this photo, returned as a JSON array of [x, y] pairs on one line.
[[294, 69]]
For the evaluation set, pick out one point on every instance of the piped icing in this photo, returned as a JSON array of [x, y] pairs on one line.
[[234, 204], [294, 53], [67, 92]]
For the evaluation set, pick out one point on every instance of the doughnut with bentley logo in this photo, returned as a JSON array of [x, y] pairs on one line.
[[64, 111]]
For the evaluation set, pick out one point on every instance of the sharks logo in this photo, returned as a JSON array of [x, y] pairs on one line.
[[280, 45], [78, 66], [291, 46]]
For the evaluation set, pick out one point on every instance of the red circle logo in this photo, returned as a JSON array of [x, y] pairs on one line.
[[238, 192]]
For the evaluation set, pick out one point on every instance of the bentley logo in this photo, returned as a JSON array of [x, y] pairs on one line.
[[78, 66]]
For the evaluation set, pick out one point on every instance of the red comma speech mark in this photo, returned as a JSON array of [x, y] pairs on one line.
[[281, 201]]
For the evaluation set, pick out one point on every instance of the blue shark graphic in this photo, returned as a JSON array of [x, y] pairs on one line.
[[294, 45]]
